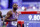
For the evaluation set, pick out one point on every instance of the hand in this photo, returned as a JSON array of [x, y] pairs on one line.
[[14, 20]]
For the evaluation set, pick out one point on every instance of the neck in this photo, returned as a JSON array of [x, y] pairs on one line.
[[14, 10]]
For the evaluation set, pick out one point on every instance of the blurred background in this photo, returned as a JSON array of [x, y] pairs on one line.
[[31, 5], [7, 4]]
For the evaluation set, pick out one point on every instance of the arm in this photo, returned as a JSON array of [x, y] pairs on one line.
[[8, 15], [12, 19]]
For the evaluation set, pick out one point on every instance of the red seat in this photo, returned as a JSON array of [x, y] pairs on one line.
[[21, 23]]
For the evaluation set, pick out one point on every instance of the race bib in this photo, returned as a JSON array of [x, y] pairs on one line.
[[14, 23]]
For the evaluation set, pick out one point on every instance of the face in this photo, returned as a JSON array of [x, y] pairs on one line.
[[15, 6]]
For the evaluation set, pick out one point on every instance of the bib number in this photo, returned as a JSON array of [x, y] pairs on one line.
[[14, 23]]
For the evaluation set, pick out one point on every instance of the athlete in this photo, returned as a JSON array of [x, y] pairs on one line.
[[1, 19], [12, 16]]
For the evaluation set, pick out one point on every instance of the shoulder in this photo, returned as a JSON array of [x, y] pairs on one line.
[[19, 12], [9, 12]]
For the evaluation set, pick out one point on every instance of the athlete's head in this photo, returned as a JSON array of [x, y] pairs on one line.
[[15, 6], [0, 13]]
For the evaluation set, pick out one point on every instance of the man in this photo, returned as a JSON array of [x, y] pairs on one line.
[[1, 17], [12, 16], [25, 8]]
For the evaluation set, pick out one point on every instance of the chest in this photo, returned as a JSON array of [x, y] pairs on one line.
[[15, 15]]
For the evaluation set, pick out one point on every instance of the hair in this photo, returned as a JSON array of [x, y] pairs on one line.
[[15, 4]]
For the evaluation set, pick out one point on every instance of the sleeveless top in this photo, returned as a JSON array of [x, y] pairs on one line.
[[14, 16]]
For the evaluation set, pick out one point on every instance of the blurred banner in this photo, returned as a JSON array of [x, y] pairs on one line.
[[4, 4], [31, 19], [31, 0], [29, 4]]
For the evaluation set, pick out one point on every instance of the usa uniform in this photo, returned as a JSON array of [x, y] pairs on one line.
[[13, 23]]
